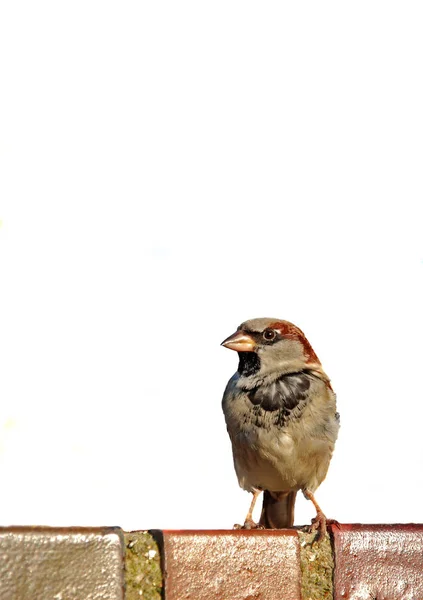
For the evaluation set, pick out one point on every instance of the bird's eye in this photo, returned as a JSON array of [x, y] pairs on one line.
[[269, 335]]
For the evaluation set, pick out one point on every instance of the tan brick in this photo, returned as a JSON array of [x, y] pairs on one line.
[[40, 563]]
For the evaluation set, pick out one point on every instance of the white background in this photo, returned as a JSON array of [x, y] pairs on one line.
[[168, 170]]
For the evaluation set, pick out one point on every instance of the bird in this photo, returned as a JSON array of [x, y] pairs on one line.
[[280, 412]]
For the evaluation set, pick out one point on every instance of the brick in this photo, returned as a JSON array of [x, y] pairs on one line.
[[235, 565], [378, 561], [39, 563]]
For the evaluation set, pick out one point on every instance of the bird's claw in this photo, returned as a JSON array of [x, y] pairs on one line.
[[318, 525], [248, 524]]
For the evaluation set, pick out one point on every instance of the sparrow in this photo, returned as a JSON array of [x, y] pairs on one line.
[[280, 412]]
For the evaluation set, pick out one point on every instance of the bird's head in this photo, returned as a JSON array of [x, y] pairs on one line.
[[270, 348]]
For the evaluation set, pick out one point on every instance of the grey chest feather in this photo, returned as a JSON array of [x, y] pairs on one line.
[[283, 399]]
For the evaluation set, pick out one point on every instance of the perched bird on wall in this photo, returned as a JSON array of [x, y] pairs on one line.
[[280, 412]]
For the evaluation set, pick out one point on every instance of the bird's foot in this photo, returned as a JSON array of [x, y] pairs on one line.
[[333, 522], [318, 525], [248, 524]]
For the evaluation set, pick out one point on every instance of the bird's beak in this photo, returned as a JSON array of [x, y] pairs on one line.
[[240, 341]]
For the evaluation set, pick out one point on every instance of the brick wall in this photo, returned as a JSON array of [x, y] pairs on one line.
[[359, 562]]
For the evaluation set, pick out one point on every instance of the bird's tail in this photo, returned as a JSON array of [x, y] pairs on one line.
[[278, 510]]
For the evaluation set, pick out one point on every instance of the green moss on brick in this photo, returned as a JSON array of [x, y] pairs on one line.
[[142, 567], [316, 567]]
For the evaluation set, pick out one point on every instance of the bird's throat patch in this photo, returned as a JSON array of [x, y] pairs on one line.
[[249, 363]]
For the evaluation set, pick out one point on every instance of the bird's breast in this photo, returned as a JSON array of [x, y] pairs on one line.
[[283, 433]]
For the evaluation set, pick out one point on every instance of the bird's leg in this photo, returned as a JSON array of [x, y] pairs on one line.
[[249, 523], [319, 522]]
